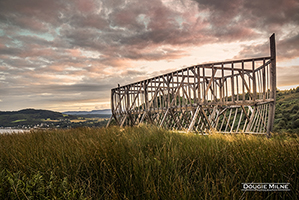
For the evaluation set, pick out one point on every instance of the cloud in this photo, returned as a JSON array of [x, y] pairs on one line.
[[286, 49], [83, 46], [287, 75], [246, 20]]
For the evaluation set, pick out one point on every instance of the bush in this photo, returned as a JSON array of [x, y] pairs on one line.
[[295, 109], [296, 124], [282, 124]]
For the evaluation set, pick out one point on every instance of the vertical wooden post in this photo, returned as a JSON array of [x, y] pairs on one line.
[[194, 86], [253, 80], [198, 85], [272, 85], [112, 108], [264, 80], [145, 100], [233, 83], [204, 85], [222, 83], [243, 81], [128, 106]]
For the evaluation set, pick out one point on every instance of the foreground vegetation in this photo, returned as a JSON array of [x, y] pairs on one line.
[[144, 163]]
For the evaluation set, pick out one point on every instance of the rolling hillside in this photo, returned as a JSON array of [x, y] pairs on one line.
[[31, 118], [287, 111]]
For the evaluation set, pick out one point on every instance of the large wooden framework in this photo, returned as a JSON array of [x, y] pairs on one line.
[[229, 96]]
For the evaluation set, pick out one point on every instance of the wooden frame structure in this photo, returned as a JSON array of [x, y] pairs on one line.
[[229, 96]]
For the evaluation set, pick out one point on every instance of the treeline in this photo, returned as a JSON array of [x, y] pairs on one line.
[[30, 117], [287, 111]]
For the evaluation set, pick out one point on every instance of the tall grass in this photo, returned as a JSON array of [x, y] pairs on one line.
[[144, 163]]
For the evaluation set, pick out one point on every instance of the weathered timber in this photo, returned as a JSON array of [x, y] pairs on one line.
[[230, 96]]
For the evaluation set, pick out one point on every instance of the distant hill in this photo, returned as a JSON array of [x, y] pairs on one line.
[[91, 114], [30, 117]]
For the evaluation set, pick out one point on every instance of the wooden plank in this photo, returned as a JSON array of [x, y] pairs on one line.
[[243, 81], [194, 89], [177, 92], [206, 117], [262, 118], [232, 83], [253, 81], [226, 91], [112, 109], [123, 121], [245, 113], [203, 87], [248, 129], [222, 84], [188, 97], [272, 85], [252, 127], [259, 120], [237, 84], [135, 98], [109, 121], [245, 84], [120, 101], [164, 117], [210, 82], [231, 130], [247, 119], [189, 87], [240, 119], [198, 87], [175, 118], [194, 119], [227, 124]]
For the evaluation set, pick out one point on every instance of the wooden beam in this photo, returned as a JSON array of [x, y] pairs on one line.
[[245, 113], [210, 82], [194, 119], [206, 117], [272, 85]]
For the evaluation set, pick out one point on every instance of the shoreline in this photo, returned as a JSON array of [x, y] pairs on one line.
[[13, 130]]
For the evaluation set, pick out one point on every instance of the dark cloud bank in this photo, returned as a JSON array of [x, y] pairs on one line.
[[52, 50]]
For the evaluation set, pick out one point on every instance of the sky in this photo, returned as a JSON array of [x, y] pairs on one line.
[[66, 55]]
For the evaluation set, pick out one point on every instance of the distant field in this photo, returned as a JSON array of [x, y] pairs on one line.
[[50, 120], [19, 120], [89, 119], [144, 163]]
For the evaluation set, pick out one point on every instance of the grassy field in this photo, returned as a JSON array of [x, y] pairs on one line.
[[144, 163]]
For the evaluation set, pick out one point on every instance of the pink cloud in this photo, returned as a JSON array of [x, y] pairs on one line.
[[86, 6], [74, 52]]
